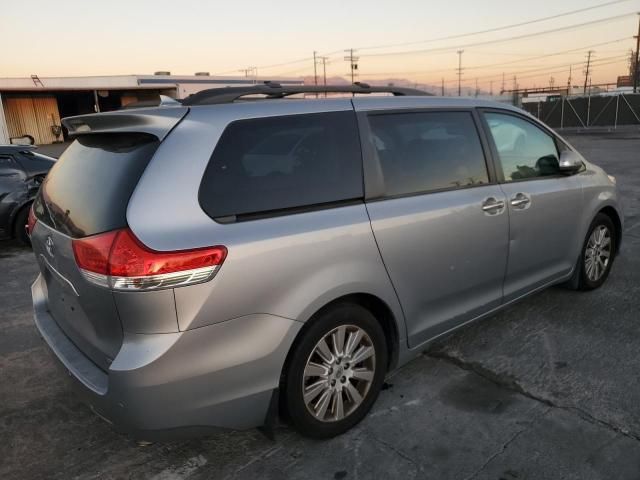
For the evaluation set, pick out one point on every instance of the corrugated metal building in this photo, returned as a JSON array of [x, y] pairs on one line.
[[32, 107]]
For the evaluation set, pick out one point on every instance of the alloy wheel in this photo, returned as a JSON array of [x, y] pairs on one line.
[[597, 255], [339, 373]]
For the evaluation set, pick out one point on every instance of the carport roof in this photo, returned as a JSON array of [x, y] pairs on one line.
[[121, 82]]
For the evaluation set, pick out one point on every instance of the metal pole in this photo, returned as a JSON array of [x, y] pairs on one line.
[[635, 71], [588, 107], [315, 71], [615, 122], [586, 73], [562, 113], [460, 52], [324, 73], [351, 61], [442, 87]]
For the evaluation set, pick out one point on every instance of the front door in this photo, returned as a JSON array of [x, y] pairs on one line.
[[544, 204]]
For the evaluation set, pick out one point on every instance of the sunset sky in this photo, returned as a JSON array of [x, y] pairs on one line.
[[74, 37]]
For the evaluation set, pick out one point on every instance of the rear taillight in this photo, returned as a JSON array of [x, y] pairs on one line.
[[120, 261], [31, 221]]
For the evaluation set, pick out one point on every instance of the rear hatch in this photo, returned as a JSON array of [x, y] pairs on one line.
[[84, 194]]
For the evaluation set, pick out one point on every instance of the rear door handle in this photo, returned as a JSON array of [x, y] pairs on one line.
[[491, 206], [520, 201]]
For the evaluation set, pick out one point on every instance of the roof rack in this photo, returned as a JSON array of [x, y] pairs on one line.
[[272, 90]]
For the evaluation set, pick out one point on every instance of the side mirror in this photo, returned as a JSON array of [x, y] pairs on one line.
[[570, 161]]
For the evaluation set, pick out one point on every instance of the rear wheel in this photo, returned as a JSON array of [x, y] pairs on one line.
[[335, 372], [597, 254], [20, 231]]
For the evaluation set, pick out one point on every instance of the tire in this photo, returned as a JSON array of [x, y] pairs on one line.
[[589, 272], [332, 381], [19, 232]]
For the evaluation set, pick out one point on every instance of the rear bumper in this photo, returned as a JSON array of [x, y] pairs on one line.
[[162, 385]]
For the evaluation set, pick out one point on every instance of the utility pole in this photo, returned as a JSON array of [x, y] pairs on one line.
[[352, 63], [251, 72], [315, 70], [586, 73], [324, 71], [491, 88], [502, 89], [442, 87], [477, 89], [569, 82], [460, 52], [635, 70]]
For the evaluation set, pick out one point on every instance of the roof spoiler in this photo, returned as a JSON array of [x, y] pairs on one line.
[[156, 121]]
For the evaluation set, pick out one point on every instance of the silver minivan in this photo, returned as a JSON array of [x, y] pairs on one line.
[[248, 253]]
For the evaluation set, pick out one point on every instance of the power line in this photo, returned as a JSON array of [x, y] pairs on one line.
[[500, 64], [565, 69], [306, 59], [496, 29], [539, 57], [265, 67], [502, 40], [551, 69]]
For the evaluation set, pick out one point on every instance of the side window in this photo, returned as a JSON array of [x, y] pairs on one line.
[[525, 150], [427, 151], [275, 163]]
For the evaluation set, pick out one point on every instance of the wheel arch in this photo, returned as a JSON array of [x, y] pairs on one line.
[[374, 304], [612, 213], [15, 214]]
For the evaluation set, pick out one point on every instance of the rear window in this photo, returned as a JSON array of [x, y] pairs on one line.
[[88, 189], [276, 163]]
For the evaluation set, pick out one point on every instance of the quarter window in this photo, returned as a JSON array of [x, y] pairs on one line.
[[525, 151], [427, 151], [269, 164]]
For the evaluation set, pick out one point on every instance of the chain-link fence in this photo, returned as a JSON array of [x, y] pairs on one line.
[[610, 110]]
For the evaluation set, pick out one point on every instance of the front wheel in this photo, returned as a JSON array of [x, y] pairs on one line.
[[597, 254], [335, 372]]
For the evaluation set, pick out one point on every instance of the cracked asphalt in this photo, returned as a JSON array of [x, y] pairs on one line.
[[546, 389]]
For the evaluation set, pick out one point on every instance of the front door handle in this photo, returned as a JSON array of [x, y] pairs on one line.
[[491, 206], [520, 201]]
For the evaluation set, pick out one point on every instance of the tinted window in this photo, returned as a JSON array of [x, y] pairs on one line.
[[275, 163], [421, 152], [88, 189], [525, 150]]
